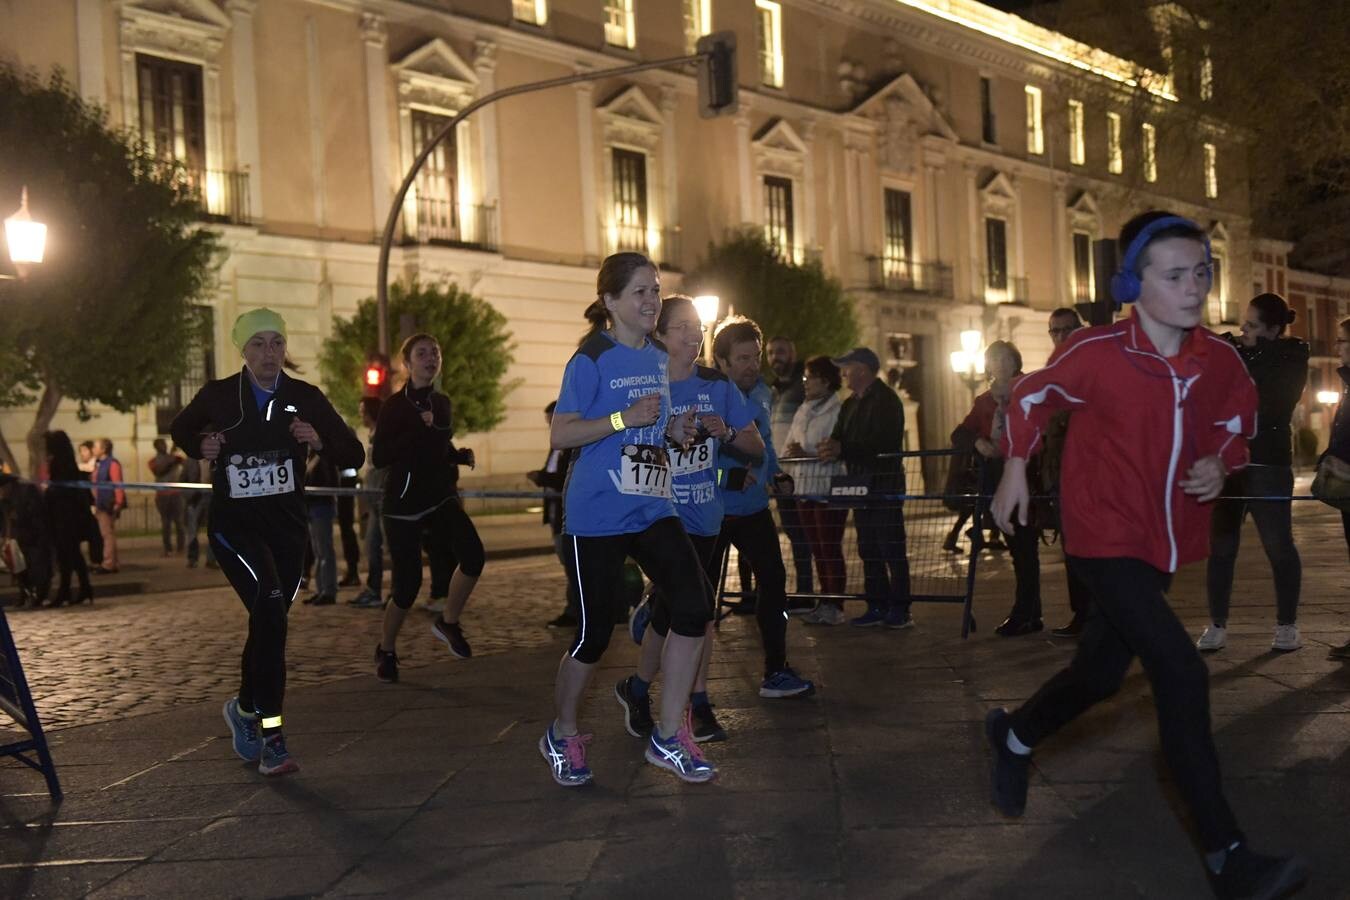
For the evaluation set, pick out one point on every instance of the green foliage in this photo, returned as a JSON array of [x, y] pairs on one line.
[[106, 317], [798, 302], [476, 350]]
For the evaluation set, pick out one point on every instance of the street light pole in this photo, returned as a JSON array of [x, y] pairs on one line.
[[387, 239]]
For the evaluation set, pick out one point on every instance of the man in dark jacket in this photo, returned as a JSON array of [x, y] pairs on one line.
[[789, 392], [23, 519], [872, 423]]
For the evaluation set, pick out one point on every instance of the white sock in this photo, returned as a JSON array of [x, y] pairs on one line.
[[1017, 746]]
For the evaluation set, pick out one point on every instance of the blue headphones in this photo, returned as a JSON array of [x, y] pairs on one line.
[[1125, 285]]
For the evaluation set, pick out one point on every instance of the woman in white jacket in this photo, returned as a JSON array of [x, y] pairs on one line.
[[824, 525]]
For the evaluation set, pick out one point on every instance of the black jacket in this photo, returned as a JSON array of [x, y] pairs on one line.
[[870, 424], [1339, 446], [227, 405], [422, 461], [1280, 369]]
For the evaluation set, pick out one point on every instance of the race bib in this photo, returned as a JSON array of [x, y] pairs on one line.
[[259, 476], [697, 458], [644, 471]]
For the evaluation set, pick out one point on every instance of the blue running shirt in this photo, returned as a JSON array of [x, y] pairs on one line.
[[697, 498], [605, 377], [756, 497]]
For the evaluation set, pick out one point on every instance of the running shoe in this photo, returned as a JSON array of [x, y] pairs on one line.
[[566, 757], [1249, 874], [275, 759], [453, 637], [899, 617], [786, 683], [873, 616], [800, 605], [386, 665], [244, 730], [825, 614], [680, 755], [367, 599], [706, 728], [435, 605], [1008, 771], [641, 618], [1287, 639], [1212, 638], [637, 711]]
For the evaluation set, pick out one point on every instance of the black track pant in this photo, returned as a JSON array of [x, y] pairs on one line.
[[711, 562], [1130, 617], [265, 572], [595, 568], [756, 539], [449, 531]]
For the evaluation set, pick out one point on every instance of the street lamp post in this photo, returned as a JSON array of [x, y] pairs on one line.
[[27, 240], [707, 307], [968, 362]]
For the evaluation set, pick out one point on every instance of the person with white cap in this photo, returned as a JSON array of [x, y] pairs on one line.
[[257, 427]]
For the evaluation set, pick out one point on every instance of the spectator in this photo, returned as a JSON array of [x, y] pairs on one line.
[[872, 423], [1339, 447], [371, 597], [67, 517], [1063, 322], [346, 518], [788, 392], [92, 537], [24, 521], [167, 467], [984, 429], [1279, 367], [320, 472], [197, 509], [108, 502], [813, 424], [553, 477]]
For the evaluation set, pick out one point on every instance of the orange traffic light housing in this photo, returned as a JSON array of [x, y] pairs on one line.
[[375, 381]]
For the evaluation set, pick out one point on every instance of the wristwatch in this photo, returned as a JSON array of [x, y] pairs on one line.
[[730, 435]]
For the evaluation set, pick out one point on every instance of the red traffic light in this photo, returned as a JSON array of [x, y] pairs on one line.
[[375, 379], [374, 376]]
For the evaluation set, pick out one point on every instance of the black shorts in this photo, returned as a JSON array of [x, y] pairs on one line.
[[711, 561]]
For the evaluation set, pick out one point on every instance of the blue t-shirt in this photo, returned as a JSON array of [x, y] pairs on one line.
[[605, 377], [756, 497], [697, 499]]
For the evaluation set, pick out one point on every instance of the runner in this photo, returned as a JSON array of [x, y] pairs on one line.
[[1162, 411], [614, 405], [413, 441], [259, 425], [721, 414]]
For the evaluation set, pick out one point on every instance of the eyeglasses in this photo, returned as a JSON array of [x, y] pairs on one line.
[[684, 327]]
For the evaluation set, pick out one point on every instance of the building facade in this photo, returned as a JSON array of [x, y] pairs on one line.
[[950, 163]]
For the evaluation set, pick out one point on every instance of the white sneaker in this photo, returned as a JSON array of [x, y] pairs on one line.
[[1213, 638], [830, 614], [1286, 638], [813, 617]]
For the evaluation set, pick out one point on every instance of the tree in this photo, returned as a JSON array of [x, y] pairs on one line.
[[798, 302], [476, 350], [107, 316]]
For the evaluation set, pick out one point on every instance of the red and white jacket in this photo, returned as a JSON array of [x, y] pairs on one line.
[[1139, 422]]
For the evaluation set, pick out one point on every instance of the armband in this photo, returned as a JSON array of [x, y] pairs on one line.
[[616, 421]]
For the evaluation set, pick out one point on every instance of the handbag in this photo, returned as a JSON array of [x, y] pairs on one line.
[[13, 557], [1331, 484]]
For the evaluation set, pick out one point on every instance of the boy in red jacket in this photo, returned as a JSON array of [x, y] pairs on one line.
[[1162, 410]]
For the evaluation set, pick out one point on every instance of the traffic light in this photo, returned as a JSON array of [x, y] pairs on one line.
[[375, 382], [717, 87]]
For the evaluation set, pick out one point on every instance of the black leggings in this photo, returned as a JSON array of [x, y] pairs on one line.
[[756, 539], [265, 572], [595, 569], [449, 532], [706, 548], [1130, 617]]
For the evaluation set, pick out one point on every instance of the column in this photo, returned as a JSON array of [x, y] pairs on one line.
[[89, 38], [215, 151], [809, 185], [247, 150], [485, 67], [374, 37], [590, 215], [974, 249], [743, 165], [669, 167], [1062, 272]]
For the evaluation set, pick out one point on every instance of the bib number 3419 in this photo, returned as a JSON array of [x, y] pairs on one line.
[[261, 480], [644, 471]]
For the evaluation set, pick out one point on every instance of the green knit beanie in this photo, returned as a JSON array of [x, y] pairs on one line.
[[250, 323]]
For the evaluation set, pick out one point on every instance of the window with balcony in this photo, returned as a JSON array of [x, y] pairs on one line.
[[437, 199], [620, 24], [1035, 121], [1149, 141], [778, 219], [988, 123], [897, 245], [1211, 171], [173, 123], [1082, 267], [996, 254], [1115, 155], [697, 22], [533, 12], [630, 199], [770, 28], [1077, 143]]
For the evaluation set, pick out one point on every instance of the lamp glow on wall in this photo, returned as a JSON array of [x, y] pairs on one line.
[[27, 239], [968, 362], [707, 306]]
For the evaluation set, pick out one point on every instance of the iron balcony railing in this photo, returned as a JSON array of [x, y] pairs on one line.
[[663, 245], [222, 194], [441, 221], [892, 273], [1002, 288]]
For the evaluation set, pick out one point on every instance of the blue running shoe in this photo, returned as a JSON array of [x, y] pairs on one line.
[[680, 755], [641, 617], [275, 760], [244, 729], [566, 757], [873, 616], [898, 617], [786, 683]]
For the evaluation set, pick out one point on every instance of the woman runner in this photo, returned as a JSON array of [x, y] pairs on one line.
[[259, 425], [412, 439], [721, 415], [614, 405]]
